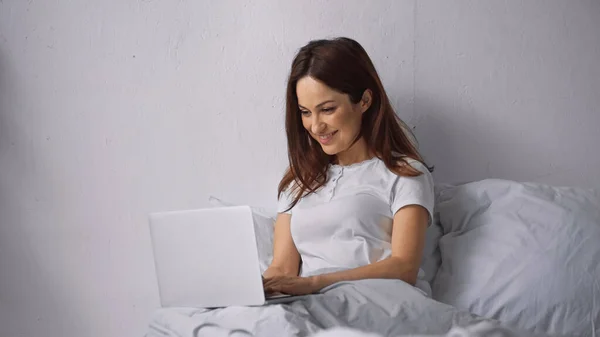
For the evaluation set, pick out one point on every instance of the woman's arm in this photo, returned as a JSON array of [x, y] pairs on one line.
[[286, 259], [408, 240]]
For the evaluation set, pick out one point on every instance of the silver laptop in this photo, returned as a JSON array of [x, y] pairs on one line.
[[208, 258]]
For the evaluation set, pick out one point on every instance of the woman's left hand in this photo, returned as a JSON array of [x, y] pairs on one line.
[[291, 285]]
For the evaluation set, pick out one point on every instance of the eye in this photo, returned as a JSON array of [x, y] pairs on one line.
[[305, 113], [328, 110]]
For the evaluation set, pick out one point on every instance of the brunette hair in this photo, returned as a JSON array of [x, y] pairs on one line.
[[343, 65]]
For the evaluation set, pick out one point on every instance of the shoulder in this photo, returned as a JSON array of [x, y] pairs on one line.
[[423, 180], [416, 165], [413, 190], [391, 181], [391, 174]]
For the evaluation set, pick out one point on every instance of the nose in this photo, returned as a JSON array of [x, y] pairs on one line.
[[317, 125]]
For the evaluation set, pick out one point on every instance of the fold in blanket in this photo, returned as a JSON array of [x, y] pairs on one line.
[[381, 307]]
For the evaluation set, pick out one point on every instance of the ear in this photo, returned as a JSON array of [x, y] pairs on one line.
[[366, 100]]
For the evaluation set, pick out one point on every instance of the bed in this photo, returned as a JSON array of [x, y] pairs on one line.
[[502, 258]]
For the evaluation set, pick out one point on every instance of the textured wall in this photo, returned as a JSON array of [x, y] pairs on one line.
[[113, 109], [509, 89]]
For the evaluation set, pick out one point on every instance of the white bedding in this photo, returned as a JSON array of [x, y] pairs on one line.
[[525, 254], [481, 329], [380, 307]]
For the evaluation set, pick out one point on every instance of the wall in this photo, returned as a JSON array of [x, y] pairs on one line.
[[509, 89], [112, 109]]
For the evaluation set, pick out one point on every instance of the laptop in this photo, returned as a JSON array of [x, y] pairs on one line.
[[208, 258]]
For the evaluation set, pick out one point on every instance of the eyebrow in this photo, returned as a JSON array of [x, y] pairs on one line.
[[319, 105]]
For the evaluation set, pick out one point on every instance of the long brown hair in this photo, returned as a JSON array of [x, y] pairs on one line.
[[343, 65]]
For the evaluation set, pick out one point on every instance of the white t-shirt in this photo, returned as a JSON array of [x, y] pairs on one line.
[[347, 223]]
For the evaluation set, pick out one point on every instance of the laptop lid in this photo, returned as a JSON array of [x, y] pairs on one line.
[[206, 257]]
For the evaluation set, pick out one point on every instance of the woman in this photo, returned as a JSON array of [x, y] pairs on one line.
[[354, 206], [357, 198]]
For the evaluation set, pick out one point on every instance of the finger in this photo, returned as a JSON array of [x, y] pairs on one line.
[[281, 288], [272, 281], [268, 283], [272, 290]]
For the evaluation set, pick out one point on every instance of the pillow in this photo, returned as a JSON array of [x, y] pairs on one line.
[[263, 229], [432, 260], [523, 253]]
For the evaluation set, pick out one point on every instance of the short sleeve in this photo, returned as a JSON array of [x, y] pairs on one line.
[[285, 201], [414, 191]]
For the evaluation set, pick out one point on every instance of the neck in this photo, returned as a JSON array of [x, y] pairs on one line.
[[355, 154]]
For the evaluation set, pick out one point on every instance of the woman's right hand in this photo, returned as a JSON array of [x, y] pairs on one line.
[[272, 272], [269, 274]]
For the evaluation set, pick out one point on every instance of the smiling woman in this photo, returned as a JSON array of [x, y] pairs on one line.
[[335, 99], [335, 115], [354, 206], [357, 197]]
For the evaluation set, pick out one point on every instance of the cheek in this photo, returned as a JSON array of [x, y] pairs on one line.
[[348, 121]]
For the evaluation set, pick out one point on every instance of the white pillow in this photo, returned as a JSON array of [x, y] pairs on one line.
[[525, 254], [263, 229], [431, 252]]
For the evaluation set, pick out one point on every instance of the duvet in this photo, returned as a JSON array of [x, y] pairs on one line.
[[359, 308]]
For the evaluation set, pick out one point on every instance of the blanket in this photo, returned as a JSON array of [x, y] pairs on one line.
[[367, 307]]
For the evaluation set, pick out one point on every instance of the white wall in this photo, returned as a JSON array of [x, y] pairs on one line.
[[509, 89], [113, 109]]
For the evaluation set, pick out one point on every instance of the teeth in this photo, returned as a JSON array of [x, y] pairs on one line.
[[326, 136]]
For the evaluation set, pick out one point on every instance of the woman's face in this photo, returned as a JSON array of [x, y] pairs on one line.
[[328, 115]]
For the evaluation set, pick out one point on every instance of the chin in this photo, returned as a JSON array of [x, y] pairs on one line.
[[330, 150]]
